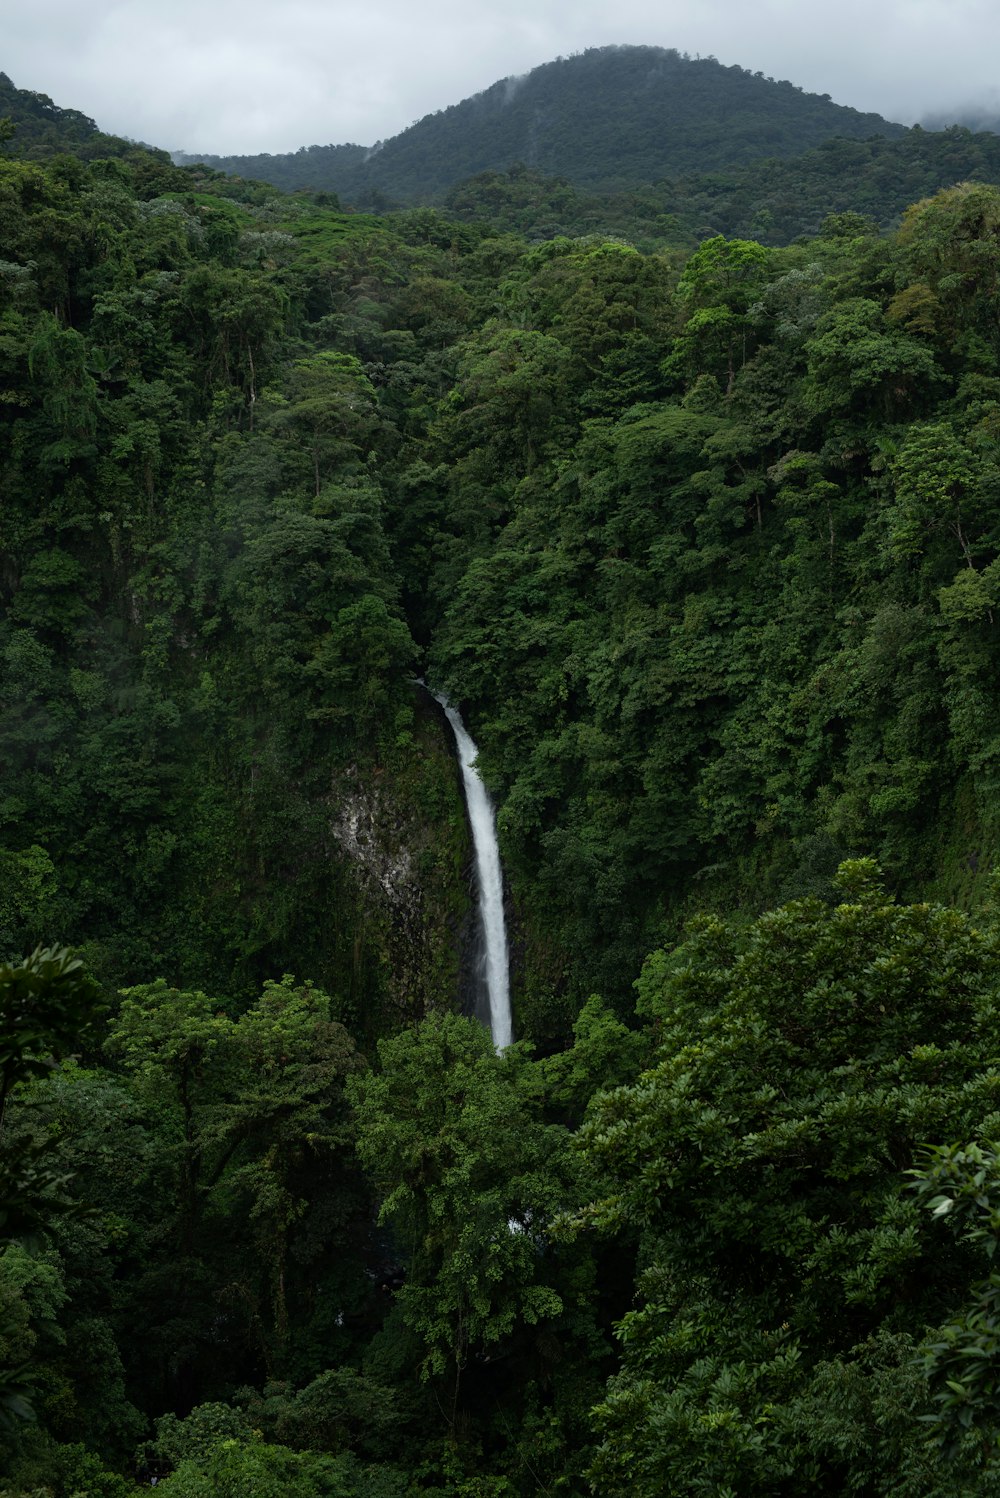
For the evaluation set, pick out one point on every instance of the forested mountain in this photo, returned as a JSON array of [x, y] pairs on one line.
[[664, 175], [608, 118], [706, 543], [42, 128], [641, 142]]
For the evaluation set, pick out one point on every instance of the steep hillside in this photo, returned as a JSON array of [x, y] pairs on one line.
[[609, 116]]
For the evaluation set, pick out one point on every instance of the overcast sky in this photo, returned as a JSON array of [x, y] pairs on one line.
[[241, 76]]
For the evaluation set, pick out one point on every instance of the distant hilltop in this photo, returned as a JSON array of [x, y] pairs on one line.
[[607, 118], [644, 143]]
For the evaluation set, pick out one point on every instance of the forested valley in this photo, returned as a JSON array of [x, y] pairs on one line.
[[705, 542]]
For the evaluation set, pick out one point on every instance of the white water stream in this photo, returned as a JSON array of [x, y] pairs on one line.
[[489, 880]]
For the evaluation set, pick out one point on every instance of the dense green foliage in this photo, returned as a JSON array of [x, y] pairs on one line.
[[777, 201], [201, 637], [774, 201], [706, 545], [786, 1271]]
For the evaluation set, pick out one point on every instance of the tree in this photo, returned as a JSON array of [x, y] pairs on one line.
[[328, 404], [761, 1162], [858, 364], [957, 1184], [948, 249], [718, 286], [47, 1004], [510, 397], [253, 1125], [938, 479], [469, 1174], [57, 360]]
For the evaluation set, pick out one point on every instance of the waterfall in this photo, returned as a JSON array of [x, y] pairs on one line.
[[489, 881]]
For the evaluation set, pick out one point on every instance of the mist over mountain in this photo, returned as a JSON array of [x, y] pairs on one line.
[[977, 115], [608, 117]]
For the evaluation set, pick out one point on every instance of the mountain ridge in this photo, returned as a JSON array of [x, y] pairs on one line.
[[577, 117], [640, 142]]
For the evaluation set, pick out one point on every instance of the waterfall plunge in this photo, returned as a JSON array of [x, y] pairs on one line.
[[489, 880]]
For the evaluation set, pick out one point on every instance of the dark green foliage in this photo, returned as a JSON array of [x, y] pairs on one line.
[[760, 1162], [215, 1451], [254, 1130], [47, 1006], [180, 477], [437, 1130], [957, 1183], [660, 148], [716, 625], [707, 547], [777, 201]]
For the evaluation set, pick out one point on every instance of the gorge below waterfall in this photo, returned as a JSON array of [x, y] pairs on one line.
[[495, 966]]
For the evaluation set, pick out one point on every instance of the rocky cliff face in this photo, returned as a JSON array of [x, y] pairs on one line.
[[400, 839]]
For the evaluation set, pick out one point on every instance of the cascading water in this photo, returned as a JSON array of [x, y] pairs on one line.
[[489, 880]]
